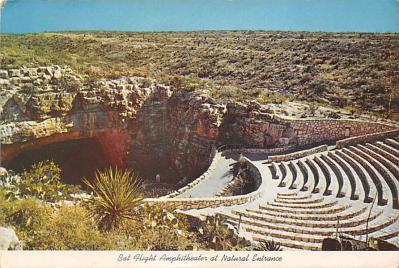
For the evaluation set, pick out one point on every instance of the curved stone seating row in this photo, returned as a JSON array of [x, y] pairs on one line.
[[388, 179], [309, 223], [361, 175], [386, 154], [306, 206], [328, 210], [273, 170], [342, 215], [393, 143], [305, 175], [308, 234], [376, 180], [383, 158], [300, 201], [338, 175], [329, 229], [283, 171], [326, 175], [387, 148], [347, 171], [287, 194], [315, 173], [292, 196], [294, 175]]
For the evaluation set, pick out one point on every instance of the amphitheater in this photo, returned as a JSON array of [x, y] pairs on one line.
[[311, 178], [306, 196]]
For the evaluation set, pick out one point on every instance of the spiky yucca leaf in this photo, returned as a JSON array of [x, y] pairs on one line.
[[116, 194], [267, 246]]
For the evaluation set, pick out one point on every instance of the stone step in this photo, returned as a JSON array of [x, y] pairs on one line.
[[393, 143], [337, 175], [315, 173], [374, 226], [389, 235], [325, 175], [300, 201], [360, 174], [387, 148], [308, 223], [294, 174], [368, 155], [347, 172], [289, 232], [393, 168], [305, 175], [329, 210], [287, 194], [343, 215], [392, 158], [283, 171], [325, 204], [273, 171], [381, 201], [293, 197]]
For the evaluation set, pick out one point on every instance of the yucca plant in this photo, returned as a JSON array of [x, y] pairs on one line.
[[267, 246], [116, 194]]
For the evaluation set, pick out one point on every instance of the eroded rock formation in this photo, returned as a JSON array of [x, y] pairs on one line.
[[142, 124]]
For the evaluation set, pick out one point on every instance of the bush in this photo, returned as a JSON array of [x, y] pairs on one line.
[[41, 181], [28, 216], [41, 227], [215, 235], [69, 228]]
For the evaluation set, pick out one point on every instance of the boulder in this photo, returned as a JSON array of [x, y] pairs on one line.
[[9, 240]]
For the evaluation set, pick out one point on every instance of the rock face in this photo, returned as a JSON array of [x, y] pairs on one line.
[[9, 240], [142, 124]]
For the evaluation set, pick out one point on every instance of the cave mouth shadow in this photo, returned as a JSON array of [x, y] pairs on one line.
[[77, 159]]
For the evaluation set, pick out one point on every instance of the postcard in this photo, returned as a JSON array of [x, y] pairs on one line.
[[199, 133]]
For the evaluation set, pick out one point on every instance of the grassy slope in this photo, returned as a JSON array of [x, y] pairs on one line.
[[346, 70]]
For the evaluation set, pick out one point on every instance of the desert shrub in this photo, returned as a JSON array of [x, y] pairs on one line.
[[116, 195], [42, 180], [69, 227], [27, 216], [153, 228], [41, 227], [318, 86], [215, 235]]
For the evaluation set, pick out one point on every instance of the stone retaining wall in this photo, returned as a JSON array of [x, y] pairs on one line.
[[296, 155], [198, 203], [307, 131], [367, 138], [262, 150]]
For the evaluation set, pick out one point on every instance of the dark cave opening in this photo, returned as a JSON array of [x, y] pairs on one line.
[[76, 158]]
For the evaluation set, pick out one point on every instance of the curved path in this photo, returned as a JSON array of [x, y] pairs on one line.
[[216, 180]]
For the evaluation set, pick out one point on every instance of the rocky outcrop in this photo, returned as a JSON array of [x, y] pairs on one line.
[[9, 240], [140, 123]]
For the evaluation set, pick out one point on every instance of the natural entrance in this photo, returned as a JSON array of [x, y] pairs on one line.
[[76, 158]]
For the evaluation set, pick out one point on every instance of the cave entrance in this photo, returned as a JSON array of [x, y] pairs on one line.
[[76, 158]]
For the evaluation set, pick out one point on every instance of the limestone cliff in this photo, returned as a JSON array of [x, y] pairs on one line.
[[140, 123]]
